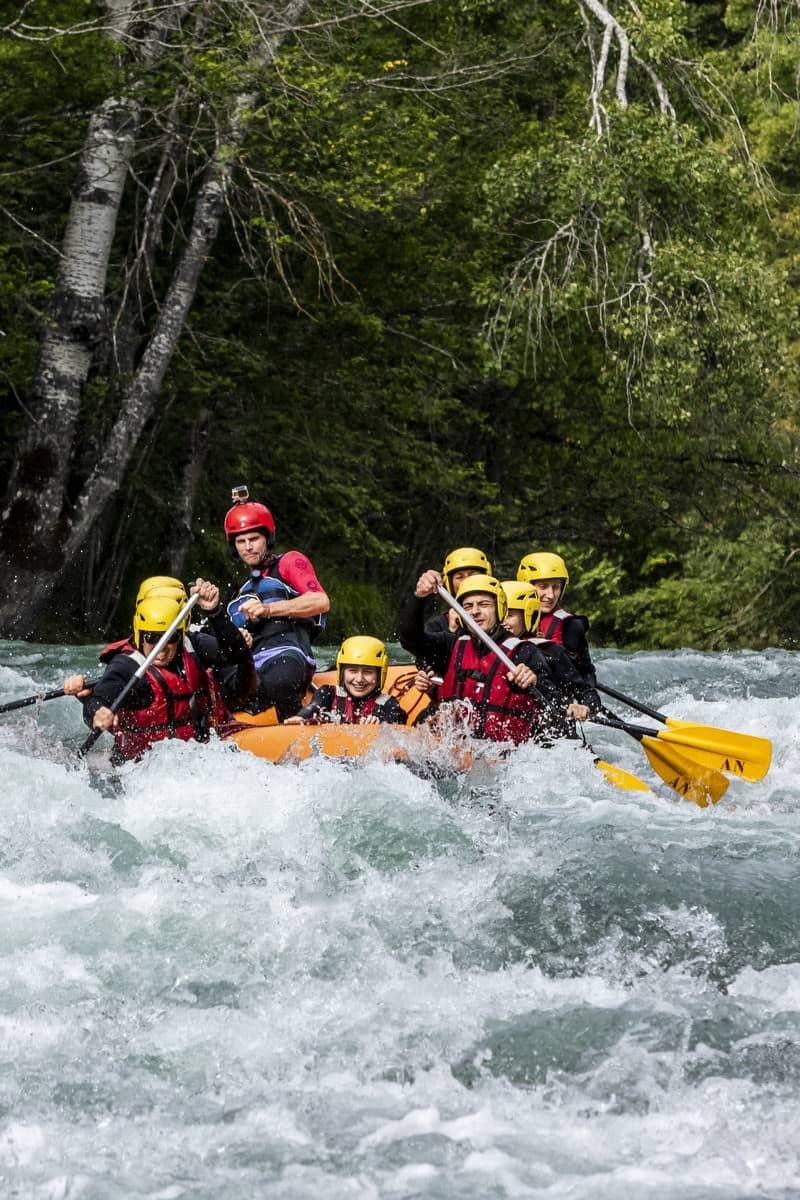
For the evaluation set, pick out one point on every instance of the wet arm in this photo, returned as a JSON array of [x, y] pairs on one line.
[[115, 677]]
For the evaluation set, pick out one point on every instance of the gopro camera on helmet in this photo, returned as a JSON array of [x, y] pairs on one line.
[[240, 493]]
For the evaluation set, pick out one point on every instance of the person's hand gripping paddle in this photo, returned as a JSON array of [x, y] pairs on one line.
[[151, 657]]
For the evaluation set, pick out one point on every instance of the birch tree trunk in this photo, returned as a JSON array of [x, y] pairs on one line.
[[74, 319], [34, 518], [35, 584]]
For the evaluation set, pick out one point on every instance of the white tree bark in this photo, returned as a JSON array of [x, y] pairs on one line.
[[33, 516], [139, 401], [141, 397], [76, 315], [30, 523]]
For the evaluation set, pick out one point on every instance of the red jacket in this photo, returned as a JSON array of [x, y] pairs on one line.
[[185, 703]]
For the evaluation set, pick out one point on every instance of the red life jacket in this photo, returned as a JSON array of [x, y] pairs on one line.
[[551, 625], [184, 703], [351, 711], [498, 712]]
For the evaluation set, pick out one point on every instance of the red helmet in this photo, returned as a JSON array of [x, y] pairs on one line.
[[250, 517]]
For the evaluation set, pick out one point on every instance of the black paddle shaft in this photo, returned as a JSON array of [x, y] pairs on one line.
[[39, 698], [614, 721], [631, 703]]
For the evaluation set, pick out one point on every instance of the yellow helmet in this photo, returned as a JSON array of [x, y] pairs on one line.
[[543, 565], [466, 558], [523, 597], [362, 652], [156, 611], [160, 582], [487, 585]]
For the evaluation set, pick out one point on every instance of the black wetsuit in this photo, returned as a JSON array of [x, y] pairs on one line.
[[557, 679], [438, 624], [218, 646], [323, 707], [573, 630]]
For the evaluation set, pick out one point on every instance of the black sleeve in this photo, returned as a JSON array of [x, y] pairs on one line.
[[117, 674], [574, 632], [321, 705], [391, 713], [433, 649], [571, 684], [219, 643], [438, 624], [221, 647], [546, 681]]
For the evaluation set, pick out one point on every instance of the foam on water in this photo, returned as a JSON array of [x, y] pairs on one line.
[[222, 978]]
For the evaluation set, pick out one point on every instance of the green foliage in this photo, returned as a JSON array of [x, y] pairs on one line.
[[361, 607], [729, 593], [533, 336]]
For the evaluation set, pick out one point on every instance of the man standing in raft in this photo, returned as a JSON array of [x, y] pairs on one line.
[[177, 697], [500, 706], [281, 606], [548, 574]]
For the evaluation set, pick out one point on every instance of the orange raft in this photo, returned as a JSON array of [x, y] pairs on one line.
[[260, 734]]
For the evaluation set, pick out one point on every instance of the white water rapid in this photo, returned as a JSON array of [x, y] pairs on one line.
[[226, 980]]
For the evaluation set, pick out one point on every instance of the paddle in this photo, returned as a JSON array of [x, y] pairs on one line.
[[40, 698], [625, 780], [692, 780], [616, 775], [154, 653], [488, 641], [740, 754]]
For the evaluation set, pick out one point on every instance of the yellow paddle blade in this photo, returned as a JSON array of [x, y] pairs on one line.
[[739, 754], [621, 779], [689, 779]]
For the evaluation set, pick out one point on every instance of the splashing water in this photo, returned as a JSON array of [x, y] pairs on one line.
[[223, 978]]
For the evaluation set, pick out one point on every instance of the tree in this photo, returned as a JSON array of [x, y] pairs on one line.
[[517, 267]]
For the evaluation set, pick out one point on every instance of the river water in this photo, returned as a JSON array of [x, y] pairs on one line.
[[226, 979]]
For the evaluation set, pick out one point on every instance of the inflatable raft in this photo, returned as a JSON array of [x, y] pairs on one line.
[[261, 734], [290, 743]]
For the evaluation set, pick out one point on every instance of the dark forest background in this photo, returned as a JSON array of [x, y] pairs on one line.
[[423, 274]]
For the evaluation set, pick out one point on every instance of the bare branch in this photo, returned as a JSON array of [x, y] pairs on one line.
[[615, 32], [613, 28], [461, 75], [30, 232]]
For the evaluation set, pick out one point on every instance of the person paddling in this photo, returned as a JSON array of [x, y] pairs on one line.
[[281, 605], [358, 697], [498, 704], [548, 574], [177, 696], [522, 620], [458, 566]]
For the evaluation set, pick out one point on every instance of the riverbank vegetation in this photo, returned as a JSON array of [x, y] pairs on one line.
[[423, 273]]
